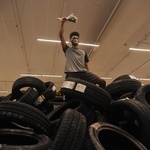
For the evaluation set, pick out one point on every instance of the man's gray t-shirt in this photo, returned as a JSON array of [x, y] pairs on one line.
[[75, 60]]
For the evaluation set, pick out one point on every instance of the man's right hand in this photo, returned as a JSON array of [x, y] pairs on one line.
[[64, 20]]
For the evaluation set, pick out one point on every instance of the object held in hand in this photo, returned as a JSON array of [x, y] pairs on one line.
[[70, 18]]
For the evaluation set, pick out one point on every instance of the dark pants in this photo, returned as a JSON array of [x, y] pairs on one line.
[[88, 76]]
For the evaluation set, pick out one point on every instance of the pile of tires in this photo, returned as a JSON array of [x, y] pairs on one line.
[[84, 117]]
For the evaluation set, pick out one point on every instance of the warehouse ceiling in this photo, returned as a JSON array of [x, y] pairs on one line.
[[115, 25]]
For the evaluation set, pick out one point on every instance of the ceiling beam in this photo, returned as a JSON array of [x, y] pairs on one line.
[[105, 25], [16, 13]]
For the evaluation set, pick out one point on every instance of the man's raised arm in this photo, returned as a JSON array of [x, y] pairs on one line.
[[61, 33]]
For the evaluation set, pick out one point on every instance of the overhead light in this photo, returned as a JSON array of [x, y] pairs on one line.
[[3, 91], [33, 75], [58, 41], [49, 75], [107, 78], [144, 79], [42, 75], [139, 49], [45, 40]]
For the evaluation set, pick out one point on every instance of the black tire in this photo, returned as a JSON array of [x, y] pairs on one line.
[[120, 87], [50, 91], [143, 94], [48, 94], [25, 115], [139, 123], [88, 92], [129, 95], [58, 100], [105, 136], [27, 82], [10, 96], [124, 77], [46, 107], [70, 131], [50, 85], [75, 104], [17, 139], [29, 97], [3, 98]]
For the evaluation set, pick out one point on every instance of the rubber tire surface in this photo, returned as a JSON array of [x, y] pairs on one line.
[[29, 97], [143, 94], [50, 91], [17, 139], [105, 136], [70, 131], [27, 82], [120, 87], [75, 104], [88, 92], [140, 113], [124, 77], [26, 115]]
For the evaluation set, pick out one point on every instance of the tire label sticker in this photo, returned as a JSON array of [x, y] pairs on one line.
[[68, 84], [80, 87], [54, 88], [38, 101], [96, 125]]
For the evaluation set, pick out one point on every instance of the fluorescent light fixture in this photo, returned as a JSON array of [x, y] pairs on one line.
[[33, 75], [107, 78], [57, 41], [60, 76], [49, 75], [3, 91], [45, 40], [42, 75], [144, 79], [139, 49]]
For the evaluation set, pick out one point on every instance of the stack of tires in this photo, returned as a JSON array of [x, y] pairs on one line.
[[84, 117]]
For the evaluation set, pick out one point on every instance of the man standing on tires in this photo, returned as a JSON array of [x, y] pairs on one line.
[[76, 59]]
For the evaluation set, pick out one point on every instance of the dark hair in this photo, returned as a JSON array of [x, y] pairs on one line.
[[74, 34]]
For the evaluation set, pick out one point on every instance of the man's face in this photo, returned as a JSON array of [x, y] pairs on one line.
[[74, 37], [74, 40]]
